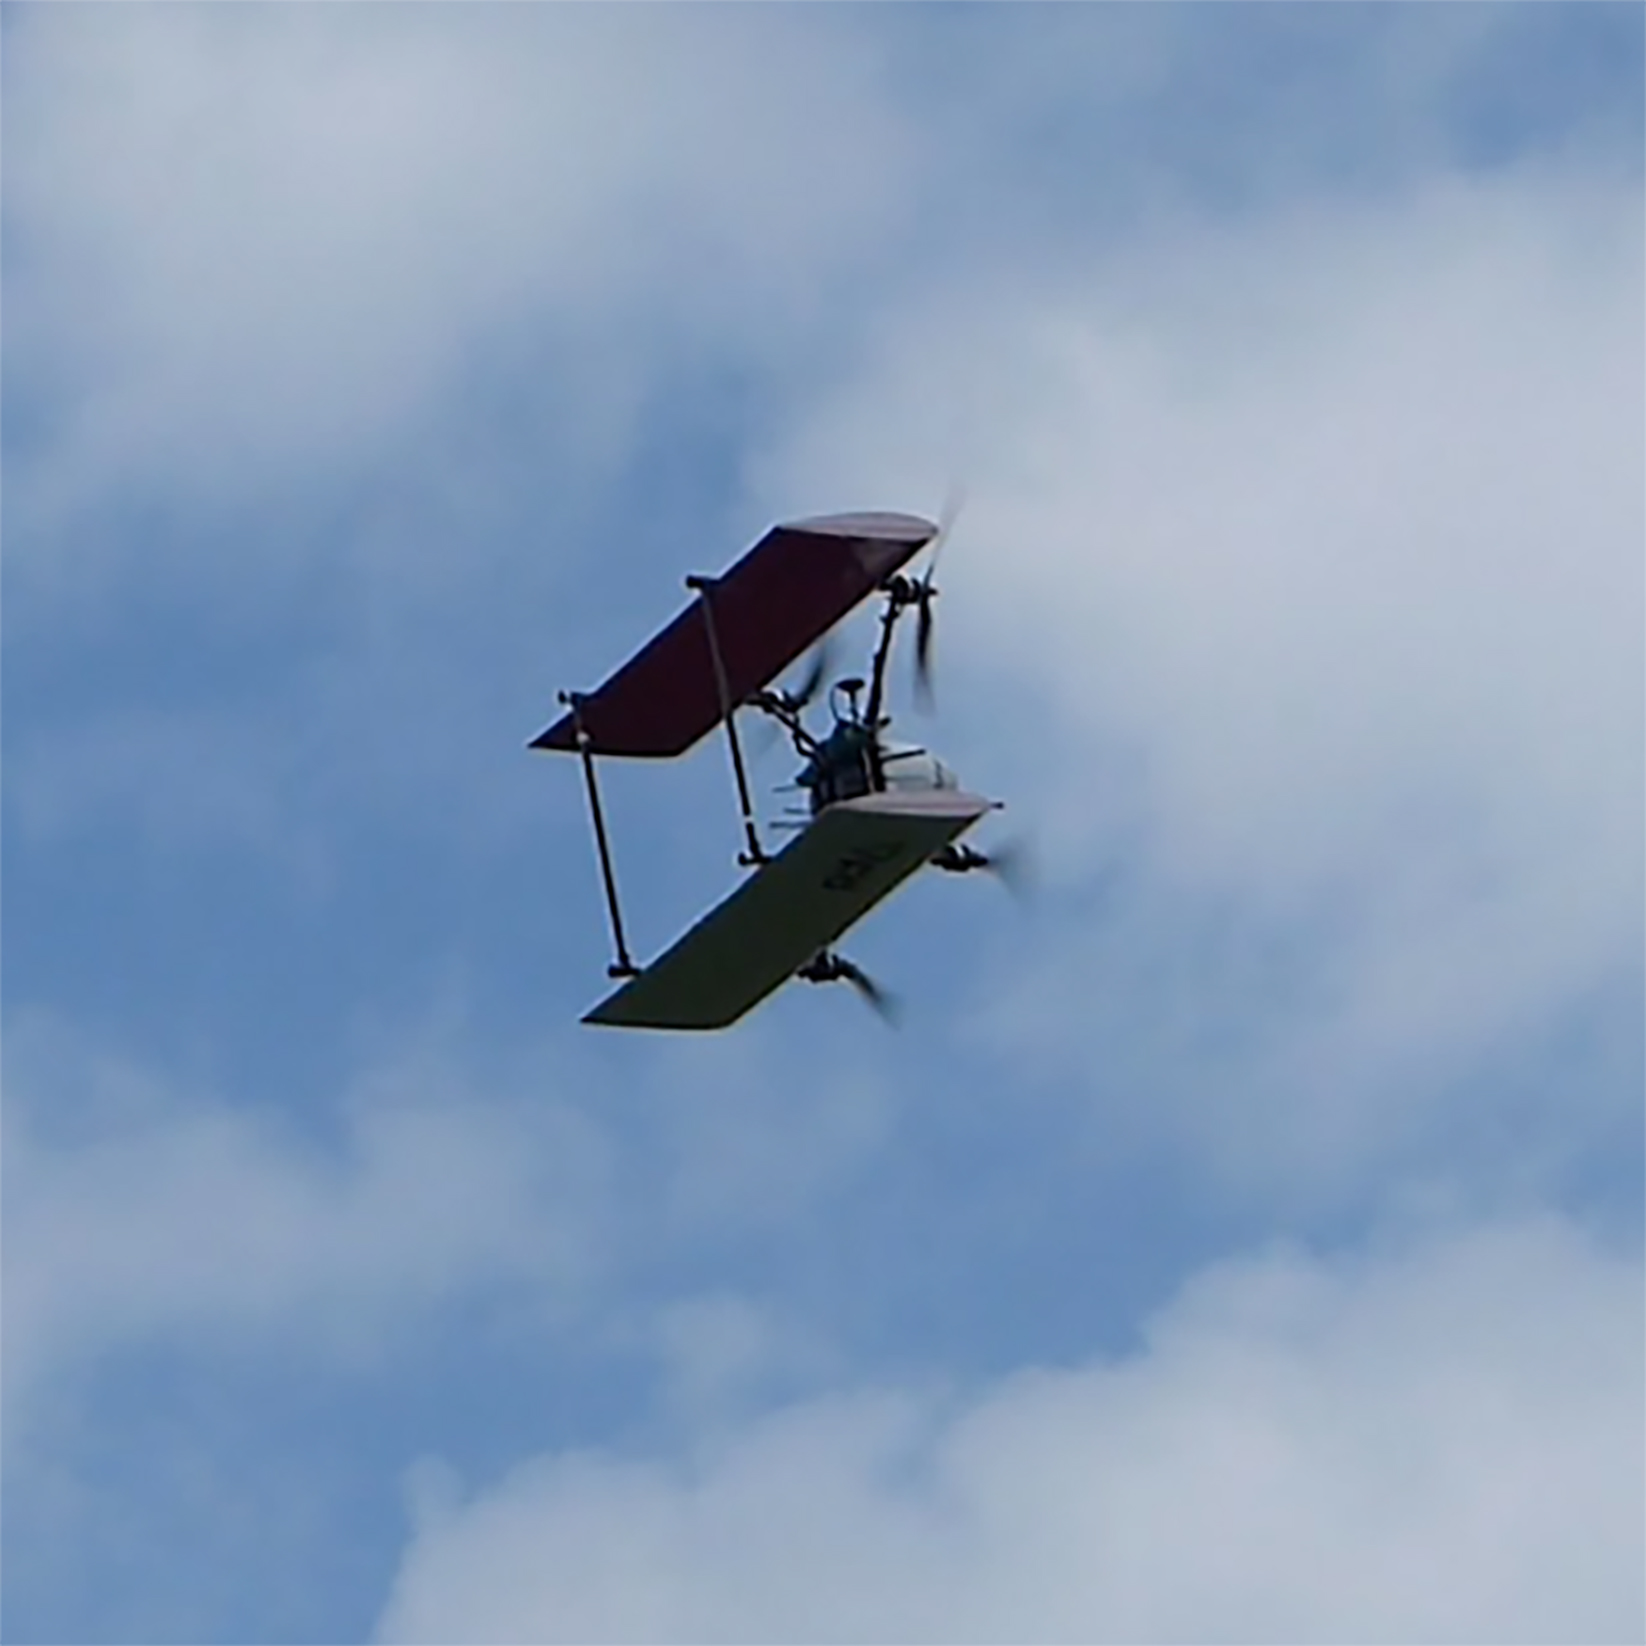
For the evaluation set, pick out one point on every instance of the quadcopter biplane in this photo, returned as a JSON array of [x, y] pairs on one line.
[[876, 812]]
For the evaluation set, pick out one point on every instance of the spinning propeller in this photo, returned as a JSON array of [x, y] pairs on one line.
[[925, 592], [902, 593], [784, 708], [811, 682], [828, 967], [921, 595], [1010, 863]]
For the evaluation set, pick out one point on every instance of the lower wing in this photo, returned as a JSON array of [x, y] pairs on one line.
[[846, 861]]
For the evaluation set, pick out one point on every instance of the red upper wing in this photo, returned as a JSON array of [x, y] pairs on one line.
[[789, 590]]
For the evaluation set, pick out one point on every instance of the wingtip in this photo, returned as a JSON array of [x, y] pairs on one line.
[[553, 737], [879, 525]]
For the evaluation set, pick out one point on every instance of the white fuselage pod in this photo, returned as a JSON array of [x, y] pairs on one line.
[[908, 768]]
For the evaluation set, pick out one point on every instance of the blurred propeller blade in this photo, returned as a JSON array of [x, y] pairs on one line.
[[1012, 864], [811, 682], [924, 696], [925, 593], [828, 967], [765, 733], [878, 999]]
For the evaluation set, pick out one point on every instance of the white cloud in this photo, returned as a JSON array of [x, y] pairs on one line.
[[1435, 1440], [253, 247], [1309, 541], [722, 1355], [147, 1209], [137, 1212], [1309, 548], [494, 1211], [1312, 505]]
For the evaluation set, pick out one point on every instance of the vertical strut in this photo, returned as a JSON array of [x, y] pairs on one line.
[[623, 966], [895, 603], [701, 586]]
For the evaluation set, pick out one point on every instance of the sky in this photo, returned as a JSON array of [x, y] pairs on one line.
[[1242, 1238]]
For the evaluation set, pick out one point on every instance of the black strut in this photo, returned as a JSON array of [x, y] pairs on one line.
[[702, 586], [623, 966]]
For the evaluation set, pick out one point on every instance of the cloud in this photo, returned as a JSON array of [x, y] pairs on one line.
[[1307, 545], [230, 293], [1437, 1438], [230, 1322], [255, 248], [140, 1211], [333, 338], [1295, 611], [145, 1208], [257, 252], [1314, 506]]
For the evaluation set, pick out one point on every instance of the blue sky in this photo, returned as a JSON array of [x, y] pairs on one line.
[[1241, 1241]]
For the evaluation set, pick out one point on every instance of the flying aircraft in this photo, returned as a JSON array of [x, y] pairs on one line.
[[875, 812]]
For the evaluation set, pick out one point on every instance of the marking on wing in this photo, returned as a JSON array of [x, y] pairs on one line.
[[850, 870]]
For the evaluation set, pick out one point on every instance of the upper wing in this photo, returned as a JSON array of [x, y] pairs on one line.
[[789, 590], [825, 880]]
